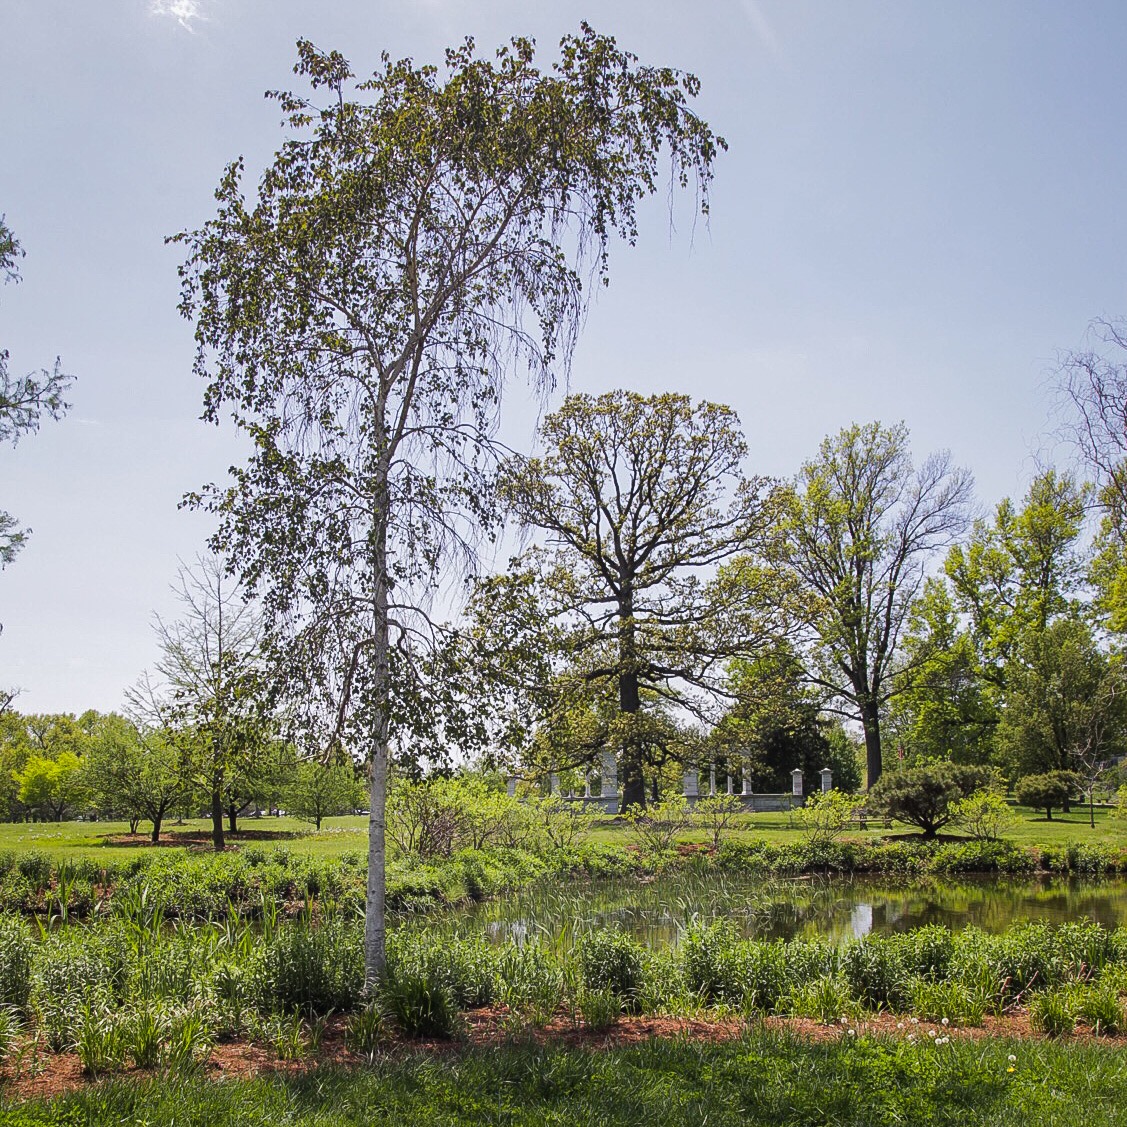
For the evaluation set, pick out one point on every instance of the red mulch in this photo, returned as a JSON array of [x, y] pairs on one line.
[[53, 1074]]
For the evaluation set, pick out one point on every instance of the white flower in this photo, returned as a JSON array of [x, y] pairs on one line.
[[931, 1032], [851, 1032], [1011, 1058], [915, 1021], [844, 1020], [911, 1038], [946, 1022], [899, 1025]]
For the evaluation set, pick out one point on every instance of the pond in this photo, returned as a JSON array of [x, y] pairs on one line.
[[835, 908]]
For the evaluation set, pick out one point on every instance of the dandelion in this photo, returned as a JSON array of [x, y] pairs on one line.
[[911, 1038], [844, 1020], [915, 1021], [851, 1032], [946, 1021], [931, 1032], [1012, 1059], [1010, 1069], [899, 1025]]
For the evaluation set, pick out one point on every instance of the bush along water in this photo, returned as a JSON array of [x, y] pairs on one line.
[[256, 882]]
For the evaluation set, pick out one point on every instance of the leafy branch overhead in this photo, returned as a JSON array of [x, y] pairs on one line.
[[24, 401]]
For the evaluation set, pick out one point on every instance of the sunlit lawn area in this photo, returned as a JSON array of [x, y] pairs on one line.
[[99, 839], [349, 833]]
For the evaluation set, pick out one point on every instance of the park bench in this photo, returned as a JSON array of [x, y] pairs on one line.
[[862, 818]]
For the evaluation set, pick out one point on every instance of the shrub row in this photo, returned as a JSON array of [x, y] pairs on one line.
[[133, 978]]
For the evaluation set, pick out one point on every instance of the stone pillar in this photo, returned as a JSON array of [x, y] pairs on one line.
[[827, 779], [712, 780], [746, 780], [609, 775], [553, 783], [731, 783], [796, 783], [511, 786], [586, 785], [691, 787]]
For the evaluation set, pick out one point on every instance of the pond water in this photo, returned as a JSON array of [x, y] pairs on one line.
[[836, 908]]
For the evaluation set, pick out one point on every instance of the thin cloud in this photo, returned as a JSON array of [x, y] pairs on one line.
[[761, 27], [184, 12]]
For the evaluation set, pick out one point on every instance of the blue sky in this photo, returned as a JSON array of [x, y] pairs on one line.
[[921, 207]]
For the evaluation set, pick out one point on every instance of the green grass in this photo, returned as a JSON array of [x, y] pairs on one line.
[[763, 1077], [95, 839], [349, 833], [780, 828]]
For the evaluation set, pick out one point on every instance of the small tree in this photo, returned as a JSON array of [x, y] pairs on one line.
[[52, 786], [825, 816], [927, 796], [207, 696], [1043, 792], [985, 815], [317, 791], [716, 815], [135, 772], [656, 827]]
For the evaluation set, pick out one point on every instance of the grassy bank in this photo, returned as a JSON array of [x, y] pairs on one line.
[[110, 841], [764, 1077]]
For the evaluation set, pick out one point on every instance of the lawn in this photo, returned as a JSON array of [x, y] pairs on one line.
[[102, 839], [349, 833], [764, 1077]]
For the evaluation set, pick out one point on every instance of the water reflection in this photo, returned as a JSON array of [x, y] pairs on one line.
[[833, 908]]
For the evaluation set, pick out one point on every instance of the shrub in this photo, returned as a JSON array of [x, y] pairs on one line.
[[35, 867], [656, 827], [875, 972], [15, 962], [530, 984], [600, 1009], [1053, 1013], [716, 814], [143, 1034], [985, 815], [1099, 1005], [100, 1042], [1120, 810], [316, 967], [422, 1006], [826, 999], [934, 1001], [188, 1040], [366, 1030], [706, 957], [1043, 792], [927, 796], [467, 968], [824, 817], [611, 960], [10, 1030]]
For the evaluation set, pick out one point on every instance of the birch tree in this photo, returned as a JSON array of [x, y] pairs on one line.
[[420, 236]]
